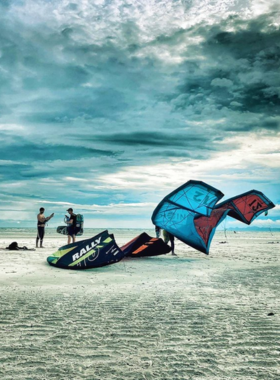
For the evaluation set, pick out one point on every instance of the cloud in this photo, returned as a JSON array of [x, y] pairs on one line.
[[114, 101], [221, 82]]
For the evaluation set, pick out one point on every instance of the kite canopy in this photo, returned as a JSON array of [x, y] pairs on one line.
[[191, 214], [95, 252], [145, 245], [102, 250]]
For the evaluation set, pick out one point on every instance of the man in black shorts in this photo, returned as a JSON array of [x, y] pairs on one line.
[[167, 236], [72, 226], [41, 222]]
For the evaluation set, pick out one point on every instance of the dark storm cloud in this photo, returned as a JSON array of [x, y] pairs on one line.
[[28, 152], [105, 80], [156, 139], [105, 103], [90, 81], [93, 80], [13, 172], [19, 195], [23, 159], [84, 79], [241, 75]]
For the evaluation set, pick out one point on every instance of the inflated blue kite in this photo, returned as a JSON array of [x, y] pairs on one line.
[[191, 214]]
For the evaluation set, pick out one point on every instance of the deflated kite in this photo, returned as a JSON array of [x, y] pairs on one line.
[[95, 252], [102, 250], [145, 245]]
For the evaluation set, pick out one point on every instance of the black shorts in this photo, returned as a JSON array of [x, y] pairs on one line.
[[73, 230], [40, 233]]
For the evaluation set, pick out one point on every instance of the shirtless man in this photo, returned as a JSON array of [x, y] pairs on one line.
[[41, 221]]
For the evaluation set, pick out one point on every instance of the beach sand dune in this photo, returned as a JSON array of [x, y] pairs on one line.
[[184, 317]]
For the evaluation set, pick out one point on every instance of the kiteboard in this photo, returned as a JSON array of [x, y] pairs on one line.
[[63, 231]]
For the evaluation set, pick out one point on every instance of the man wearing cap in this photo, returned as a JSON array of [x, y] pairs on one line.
[[72, 226]]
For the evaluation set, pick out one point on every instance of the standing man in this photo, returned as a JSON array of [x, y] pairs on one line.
[[167, 236], [41, 221], [72, 226], [157, 230]]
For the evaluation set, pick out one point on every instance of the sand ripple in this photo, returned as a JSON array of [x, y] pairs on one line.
[[164, 318], [207, 332]]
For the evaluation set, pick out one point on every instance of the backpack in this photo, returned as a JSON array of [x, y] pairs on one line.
[[79, 220], [13, 246]]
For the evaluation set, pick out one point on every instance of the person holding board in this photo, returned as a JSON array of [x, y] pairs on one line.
[[72, 228]]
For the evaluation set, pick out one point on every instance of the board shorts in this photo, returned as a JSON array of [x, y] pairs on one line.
[[40, 232], [73, 230]]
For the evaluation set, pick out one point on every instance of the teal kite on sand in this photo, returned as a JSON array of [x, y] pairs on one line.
[[191, 212]]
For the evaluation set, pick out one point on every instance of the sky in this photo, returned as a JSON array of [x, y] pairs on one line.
[[108, 106]]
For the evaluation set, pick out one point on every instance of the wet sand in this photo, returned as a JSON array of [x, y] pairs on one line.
[[186, 317]]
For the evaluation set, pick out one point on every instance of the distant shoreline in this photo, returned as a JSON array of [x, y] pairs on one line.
[[253, 229]]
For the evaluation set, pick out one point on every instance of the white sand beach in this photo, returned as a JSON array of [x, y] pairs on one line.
[[187, 317]]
